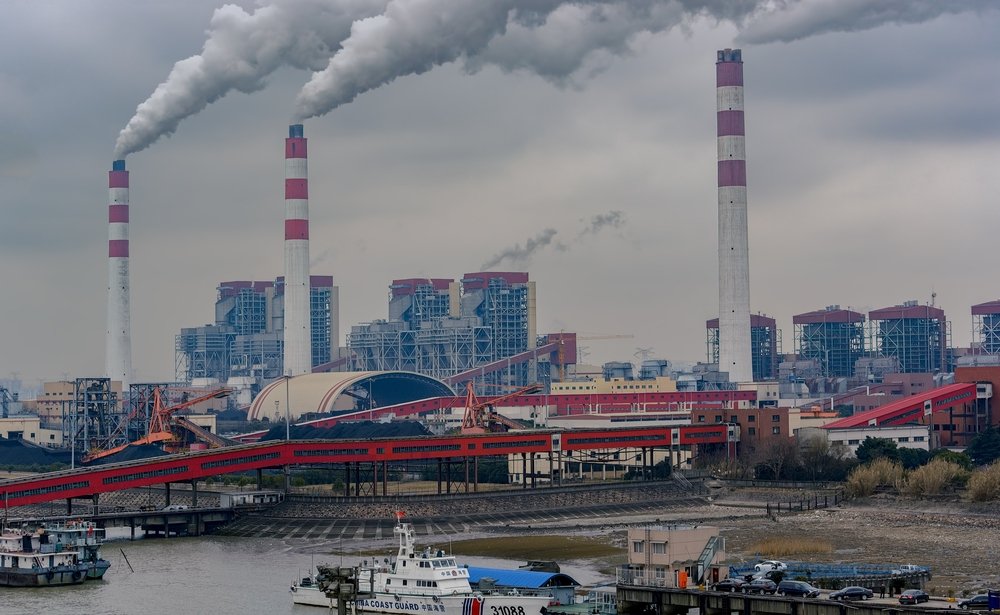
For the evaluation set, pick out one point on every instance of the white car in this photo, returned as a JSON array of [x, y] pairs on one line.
[[770, 564]]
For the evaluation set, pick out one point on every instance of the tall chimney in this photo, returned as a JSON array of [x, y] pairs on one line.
[[298, 342], [118, 336], [734, 257]]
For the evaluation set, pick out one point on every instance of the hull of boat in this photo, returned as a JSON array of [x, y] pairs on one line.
[[393, 604], [17, 577]]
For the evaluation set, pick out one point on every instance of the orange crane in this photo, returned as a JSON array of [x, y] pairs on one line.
[[159, 422], [480, 417]]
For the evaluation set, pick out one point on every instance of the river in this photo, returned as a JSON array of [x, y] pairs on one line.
[[220, 575]]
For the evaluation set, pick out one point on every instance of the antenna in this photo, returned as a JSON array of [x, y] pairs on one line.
[[643, 353]]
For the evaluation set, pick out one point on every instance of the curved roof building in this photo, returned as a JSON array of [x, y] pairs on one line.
[[344, 391]]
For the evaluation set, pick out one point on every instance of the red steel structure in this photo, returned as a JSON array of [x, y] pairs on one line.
[[913, 409], [87, 482]]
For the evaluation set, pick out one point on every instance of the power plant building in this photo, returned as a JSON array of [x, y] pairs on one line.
[[832, 337], [441, 328], [247, 338], [918, 336], [986, 327], [765, 347]]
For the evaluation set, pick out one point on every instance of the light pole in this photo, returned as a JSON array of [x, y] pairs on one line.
[[288, 419]]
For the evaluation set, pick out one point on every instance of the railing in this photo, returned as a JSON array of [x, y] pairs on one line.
[[640, 578], [705, 559]]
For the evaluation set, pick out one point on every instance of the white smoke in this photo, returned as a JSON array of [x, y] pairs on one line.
[[241, 51], [359, 45], [550, 37], [790, 21]]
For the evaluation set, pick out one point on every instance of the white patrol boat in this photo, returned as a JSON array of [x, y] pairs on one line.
[[416, 583]]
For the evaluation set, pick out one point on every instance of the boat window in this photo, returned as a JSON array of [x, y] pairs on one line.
[[451, 563], [404, 581]]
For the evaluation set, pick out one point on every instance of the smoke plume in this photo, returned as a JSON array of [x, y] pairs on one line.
[[790, 21], [357, 45], [613, 219], [241, 51], [518, 255]]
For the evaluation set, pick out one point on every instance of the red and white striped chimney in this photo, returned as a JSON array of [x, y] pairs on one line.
[[118, 336], [298, 341], [734, 255]]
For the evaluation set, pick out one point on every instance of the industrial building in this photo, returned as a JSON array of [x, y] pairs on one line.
[[918, 336], [832, 337], [441, 328], [986, 327], [246, 340], [765, 346]]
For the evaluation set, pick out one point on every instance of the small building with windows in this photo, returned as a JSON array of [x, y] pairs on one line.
[[674, 556], [905, 436]]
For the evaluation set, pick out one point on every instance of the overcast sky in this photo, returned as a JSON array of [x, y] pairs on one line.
[[873, 147]]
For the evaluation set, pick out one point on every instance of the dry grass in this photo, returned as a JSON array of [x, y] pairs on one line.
[[935, 478], [783, 546], [880, 473], [984, 485]]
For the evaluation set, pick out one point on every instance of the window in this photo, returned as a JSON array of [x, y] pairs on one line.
[[775, 418], [701, 418], [853, 442], [638, 546], [659, 548], [660, 572], [918, 438], [718, 418], [751, 419], [904, 439], [752, 431], [776, 430]]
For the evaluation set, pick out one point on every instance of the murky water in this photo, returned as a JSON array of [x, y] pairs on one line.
[[211, 574]]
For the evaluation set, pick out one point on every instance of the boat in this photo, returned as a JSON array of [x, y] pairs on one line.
[[29, 559], [85, 537], [418, 582], [540, 565]]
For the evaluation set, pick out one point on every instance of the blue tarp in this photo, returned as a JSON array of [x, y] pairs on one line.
[[526, 579]]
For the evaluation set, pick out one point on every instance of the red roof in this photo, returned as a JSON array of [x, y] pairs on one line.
[[985, 309], [906, 311], [910, 409], [825, 316]]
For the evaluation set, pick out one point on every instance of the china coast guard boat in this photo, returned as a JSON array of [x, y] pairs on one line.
[[419, 582]]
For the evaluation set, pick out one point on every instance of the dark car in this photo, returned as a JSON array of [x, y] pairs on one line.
[[760, 586], [730, 584], [913, 596], [980, 601], [852, 592], [797, 588]]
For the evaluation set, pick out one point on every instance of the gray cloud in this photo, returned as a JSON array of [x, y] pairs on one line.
[[612, 219]]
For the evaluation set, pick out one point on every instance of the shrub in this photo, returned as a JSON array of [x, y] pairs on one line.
[[936, 477], [984, 484]]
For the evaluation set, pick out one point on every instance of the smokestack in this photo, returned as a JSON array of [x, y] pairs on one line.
[[118, 337], [734, 256], [298, 342]]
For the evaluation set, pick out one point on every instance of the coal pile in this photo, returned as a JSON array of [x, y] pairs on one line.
[[21, 454]]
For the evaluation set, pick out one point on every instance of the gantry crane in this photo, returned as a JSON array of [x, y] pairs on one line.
[[480, 416], [161, 422]]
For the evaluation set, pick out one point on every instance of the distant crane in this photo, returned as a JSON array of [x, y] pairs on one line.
[[160, 423], [480, 416]]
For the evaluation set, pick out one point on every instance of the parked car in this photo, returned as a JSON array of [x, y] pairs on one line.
[[175, 507], [760, 586], [852, 592], [770, 564], [913, 596], [729, 584], [797, 588], [908, 569], [979, 601]]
